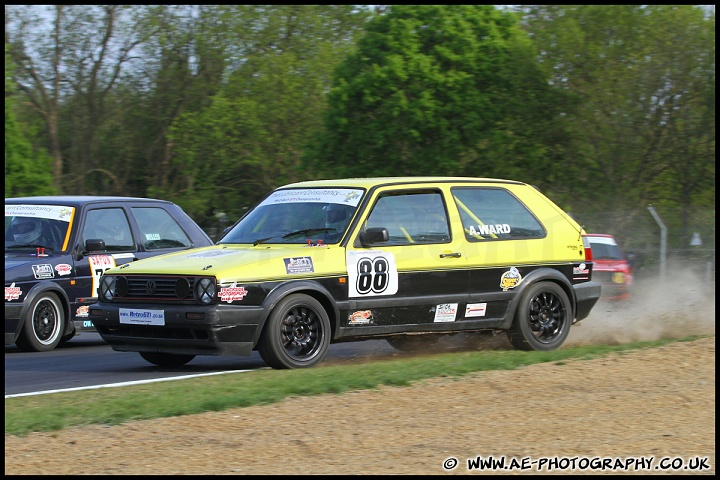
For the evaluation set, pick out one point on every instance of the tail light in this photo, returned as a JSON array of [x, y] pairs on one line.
[[588, 249]]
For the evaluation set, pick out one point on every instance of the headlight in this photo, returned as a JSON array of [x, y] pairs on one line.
[[618, 277], [205, 290], [107, 288]]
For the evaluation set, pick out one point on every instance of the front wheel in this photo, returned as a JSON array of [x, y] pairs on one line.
[[297, 333], [543, 318], [44, 324], [166, 359]]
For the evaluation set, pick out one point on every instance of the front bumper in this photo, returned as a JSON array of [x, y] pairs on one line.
[[216, 330]]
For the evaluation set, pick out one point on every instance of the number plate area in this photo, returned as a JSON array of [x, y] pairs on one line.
[[133, 316]]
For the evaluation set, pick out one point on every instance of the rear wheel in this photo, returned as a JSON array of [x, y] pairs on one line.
[[543, 318], [166, 359], [43, 325], [297, 333]]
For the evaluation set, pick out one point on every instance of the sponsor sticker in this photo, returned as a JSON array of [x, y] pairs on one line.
[[446, 312], [43, 271], [134, 316], [364, 317], [63, 269], [475, 309], [298, 265], [345, 196], [51, 212], [232, 293], [82, 311], [12, 292], [581, 270], [510, 279]]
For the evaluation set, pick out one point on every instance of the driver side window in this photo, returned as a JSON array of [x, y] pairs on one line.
[[110, 225]]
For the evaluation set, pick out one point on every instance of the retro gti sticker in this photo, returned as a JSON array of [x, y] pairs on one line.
[[298, 265], [510, 279], [142, 317], [446, 312], [371, 273], [232, 293]]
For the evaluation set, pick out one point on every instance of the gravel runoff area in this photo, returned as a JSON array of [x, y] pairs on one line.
[[633, 408]]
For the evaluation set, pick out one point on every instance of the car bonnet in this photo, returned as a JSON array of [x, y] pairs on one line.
[[243, 262]]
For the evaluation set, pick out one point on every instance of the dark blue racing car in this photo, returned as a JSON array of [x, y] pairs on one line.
[[57, 247]]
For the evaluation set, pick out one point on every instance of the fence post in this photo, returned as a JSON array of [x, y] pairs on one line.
[[663, 240]]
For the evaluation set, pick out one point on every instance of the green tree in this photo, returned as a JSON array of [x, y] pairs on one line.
[[248, 139], [643, 126], [28, 171], [69, 59], [448, 90]]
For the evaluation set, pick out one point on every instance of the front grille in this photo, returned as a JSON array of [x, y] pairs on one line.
[[155, 287], [160, 287]]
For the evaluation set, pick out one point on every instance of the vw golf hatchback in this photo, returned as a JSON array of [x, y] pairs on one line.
[[405, 259]]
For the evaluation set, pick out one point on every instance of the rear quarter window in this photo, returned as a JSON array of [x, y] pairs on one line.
[[494, 214]]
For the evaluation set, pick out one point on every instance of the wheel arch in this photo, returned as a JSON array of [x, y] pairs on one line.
[[313, 289], [541, 275], [48, 287]]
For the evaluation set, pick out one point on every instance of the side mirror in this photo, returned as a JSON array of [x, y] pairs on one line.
[[94, 245], [370, 236]]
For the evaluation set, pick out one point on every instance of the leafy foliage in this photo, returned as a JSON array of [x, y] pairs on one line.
[[27, 171], [434, 89], [604, 108]]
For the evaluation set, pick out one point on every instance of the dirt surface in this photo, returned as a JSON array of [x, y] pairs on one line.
[[647, 404]]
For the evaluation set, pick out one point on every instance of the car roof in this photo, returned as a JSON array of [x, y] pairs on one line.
[[375, 181], [76, 200]]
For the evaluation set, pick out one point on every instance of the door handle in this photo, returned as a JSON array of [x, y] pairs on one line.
[[450, 255]]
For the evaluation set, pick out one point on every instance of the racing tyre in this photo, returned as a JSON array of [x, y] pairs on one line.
[[413, 343], [44, 324], [296, 334], [167, 359], [543, 318]]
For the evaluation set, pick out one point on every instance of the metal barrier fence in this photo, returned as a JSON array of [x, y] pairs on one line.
[[661, 240]]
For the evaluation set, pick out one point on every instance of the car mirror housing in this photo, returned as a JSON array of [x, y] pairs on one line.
[[374, 235], [94, 245]]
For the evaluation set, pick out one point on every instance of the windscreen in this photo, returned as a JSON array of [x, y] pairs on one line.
[[37, 227], [320, 215]]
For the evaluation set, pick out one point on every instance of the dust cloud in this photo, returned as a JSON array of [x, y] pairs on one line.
[[680, 304]]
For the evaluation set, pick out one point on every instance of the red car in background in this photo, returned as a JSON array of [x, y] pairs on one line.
[[611, 267]]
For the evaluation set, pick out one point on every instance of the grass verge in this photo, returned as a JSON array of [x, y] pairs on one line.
[[112, 406]]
